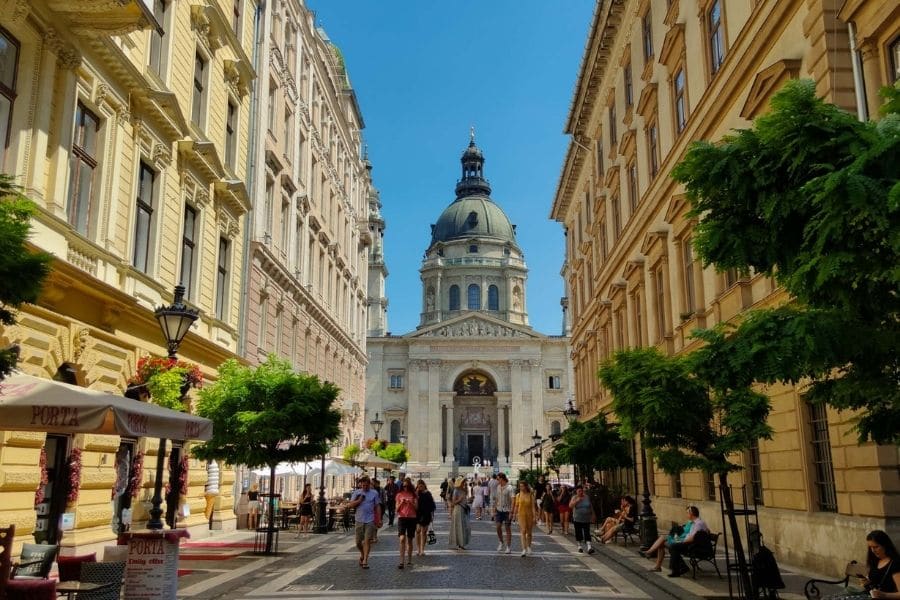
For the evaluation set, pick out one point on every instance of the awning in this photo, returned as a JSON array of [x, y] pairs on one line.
[[33, 404]]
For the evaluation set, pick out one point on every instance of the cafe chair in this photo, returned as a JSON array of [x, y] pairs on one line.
[[103, 572], [35, 561], [29, 589], [69, 567]]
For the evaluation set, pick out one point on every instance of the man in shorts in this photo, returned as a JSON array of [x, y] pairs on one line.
[[367, 503], [502, 504]]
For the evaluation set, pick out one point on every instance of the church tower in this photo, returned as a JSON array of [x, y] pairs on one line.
[[473, 263], [376, 302]]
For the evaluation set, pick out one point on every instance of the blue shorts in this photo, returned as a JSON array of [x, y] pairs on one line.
[[501, 517]]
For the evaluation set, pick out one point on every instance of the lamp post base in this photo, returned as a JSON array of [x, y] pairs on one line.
[[322, 520], [649, 531]]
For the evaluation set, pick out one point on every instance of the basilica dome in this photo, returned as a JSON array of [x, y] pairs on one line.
[[473, 213]]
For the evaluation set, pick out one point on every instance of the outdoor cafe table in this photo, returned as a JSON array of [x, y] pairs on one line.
[[72, 588]]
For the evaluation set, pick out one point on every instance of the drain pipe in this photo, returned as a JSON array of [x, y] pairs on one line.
[[251, 181], [859, 81]]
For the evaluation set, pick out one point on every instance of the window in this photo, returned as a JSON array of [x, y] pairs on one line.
[[754, 472], [198, 102], [680, 104], [236, 16], [638, 310], [9, 64], [616, 217], [263, 322], [647, 36], [396, 381], [553, 382], [633, 195], [454, 297], [555, 428], [709, 480], [604, 242], [629, 87], [613, 138], [288, 142], [660, 290], [157, 39], [620, 329], [474, 297], [188, 247], [473, 249], [894, 52], [143, 222], [230, 135], [285, 224], [271, 122], [716, 33], [395, 431], [599, 155], [823, 466], [267, 208], [84, 162], [676, 486], [493, 298], [222, 278], [731, 277], [687, 273], [653, 148]]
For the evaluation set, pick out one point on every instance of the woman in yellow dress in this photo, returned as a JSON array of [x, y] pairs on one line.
[[524, 510]]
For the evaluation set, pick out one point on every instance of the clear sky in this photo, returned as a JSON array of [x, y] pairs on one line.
[[424, 72]]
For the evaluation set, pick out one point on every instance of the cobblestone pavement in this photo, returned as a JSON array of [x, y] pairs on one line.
[[326, 567]]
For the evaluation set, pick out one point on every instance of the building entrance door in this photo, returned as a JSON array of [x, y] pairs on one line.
[[476, 447]]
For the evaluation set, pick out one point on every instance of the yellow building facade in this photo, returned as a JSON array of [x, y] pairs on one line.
[[126, 123], [657, 75]]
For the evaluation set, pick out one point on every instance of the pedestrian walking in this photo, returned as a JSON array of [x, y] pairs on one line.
[[390, 493], [407, 509], [445, 488], [524, 510], [562, 507], [548, 507], [306, 508], [376, 487], [477, 500], [493, 484], [424, 516], [502, 505], [582, 516], [367, 503], [459, 516]]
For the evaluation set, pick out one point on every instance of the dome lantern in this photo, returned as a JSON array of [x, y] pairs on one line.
[[472, 182]]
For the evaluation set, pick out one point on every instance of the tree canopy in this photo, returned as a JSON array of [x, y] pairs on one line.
[[22, 271], [810, 196], [267, 414], [592, 445]]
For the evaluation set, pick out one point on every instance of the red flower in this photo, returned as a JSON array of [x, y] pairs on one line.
[[74, 468]]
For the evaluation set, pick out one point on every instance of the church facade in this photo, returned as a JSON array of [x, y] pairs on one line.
[[474, 382]]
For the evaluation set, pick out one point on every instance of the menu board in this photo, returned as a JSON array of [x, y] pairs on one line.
[[151, 572]]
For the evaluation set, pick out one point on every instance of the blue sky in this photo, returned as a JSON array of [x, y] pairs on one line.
[[426, 71]]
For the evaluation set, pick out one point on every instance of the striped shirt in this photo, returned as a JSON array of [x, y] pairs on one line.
[[503, 499]]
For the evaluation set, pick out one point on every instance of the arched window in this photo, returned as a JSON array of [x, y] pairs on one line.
[[493, 298], [474, 297], [454, 297], [554, 428], [395, 431]]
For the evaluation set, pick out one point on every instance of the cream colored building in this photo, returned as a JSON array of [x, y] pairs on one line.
[[128, 125], [657, 75], [306, 294], [474, 382]]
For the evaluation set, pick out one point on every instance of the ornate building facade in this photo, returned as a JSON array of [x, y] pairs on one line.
[[127, 124], [474, 381], [306, 297], [657, 75]]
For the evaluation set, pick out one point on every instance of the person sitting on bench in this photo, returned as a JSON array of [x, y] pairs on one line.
[[699, 535], [678, 533]]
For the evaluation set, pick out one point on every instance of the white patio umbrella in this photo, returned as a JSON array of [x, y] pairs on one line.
[[335, 467], [300, 469], [370, 459]]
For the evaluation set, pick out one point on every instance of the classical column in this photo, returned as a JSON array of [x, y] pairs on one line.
[[537, 399], [517, 411], [501, 434], [449, 435], [433, 410], [414, 413]]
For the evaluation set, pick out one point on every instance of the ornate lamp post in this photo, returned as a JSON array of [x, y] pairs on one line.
[[538, 442], [571, 414], [321, 520], [376, 424], [175, 320], [649, 530]]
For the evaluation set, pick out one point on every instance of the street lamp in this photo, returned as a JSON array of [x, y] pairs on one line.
[[538, 443], [571, 414], [376, 424], [649, 530], [321, 522], [175, 320]]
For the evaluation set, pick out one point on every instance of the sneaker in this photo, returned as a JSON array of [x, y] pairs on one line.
[[509, 549], [591, 550], [528, 550], [580, 549], [500, 547], [524, 551]]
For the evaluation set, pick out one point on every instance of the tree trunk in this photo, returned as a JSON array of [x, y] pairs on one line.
[[737, 545], [270, 528]]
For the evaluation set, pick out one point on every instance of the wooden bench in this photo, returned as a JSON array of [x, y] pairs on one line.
[[853, 569], [703, 552]]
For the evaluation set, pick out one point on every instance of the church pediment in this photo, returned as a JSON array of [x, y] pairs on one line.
[[469, 326]]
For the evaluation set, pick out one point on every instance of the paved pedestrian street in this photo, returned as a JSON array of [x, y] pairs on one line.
[[327, 567]]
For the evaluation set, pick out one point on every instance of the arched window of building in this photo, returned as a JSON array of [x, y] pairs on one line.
[[554, 428], [474, 296], [454, 297], [395, 431], [493, 298]]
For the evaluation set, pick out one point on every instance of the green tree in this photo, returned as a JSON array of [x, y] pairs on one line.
[[687, 419], [394, 452], [351, 452], [267, 415], [22, 271], [810, 196], [592, 445]]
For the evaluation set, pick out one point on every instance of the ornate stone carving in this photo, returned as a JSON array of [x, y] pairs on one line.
[[80, 343], [162, 156], [476, 327]]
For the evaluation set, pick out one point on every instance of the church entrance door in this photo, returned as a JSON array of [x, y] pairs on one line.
[[476, 448]]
